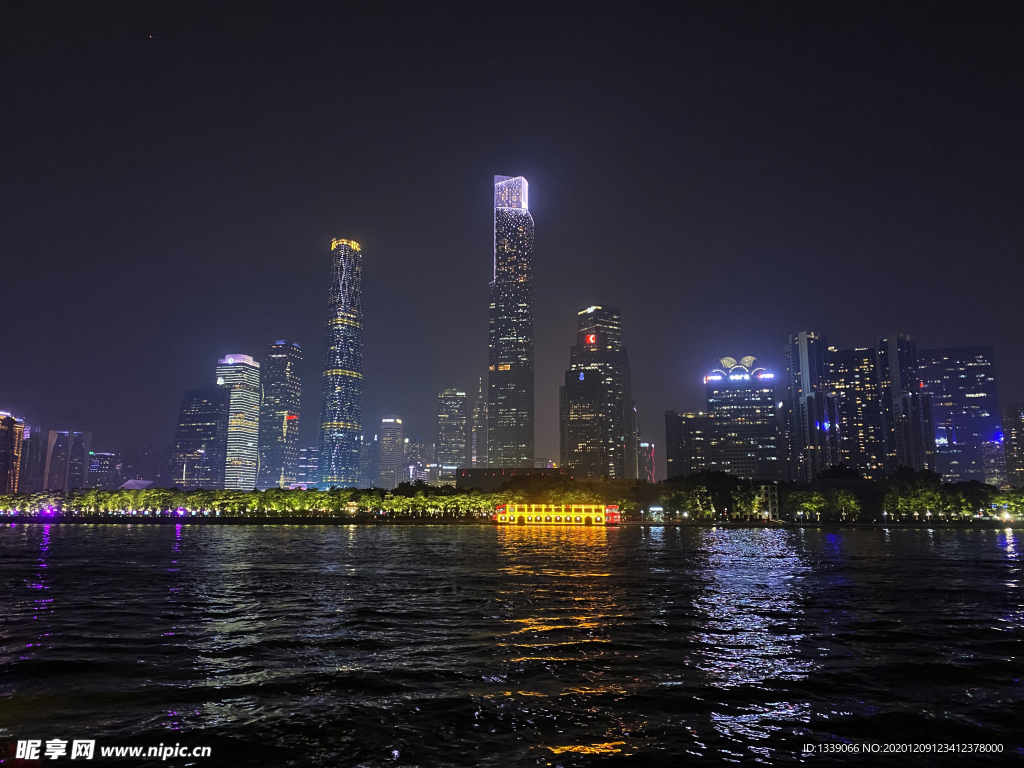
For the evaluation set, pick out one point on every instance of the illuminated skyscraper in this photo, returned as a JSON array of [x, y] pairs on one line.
[[391, 451], [598, 427], [240, 375], [854, 380], [451, 450], [510, 327], [281, 379], [1013, 428], [907, 427], [369, 461], [744, 429], [200, 440], [812, 426], [12, 438], [687, 442], [478, 438], [961, 383], [341, 395]]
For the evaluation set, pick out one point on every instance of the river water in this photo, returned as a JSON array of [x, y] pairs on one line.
[[472, 645]]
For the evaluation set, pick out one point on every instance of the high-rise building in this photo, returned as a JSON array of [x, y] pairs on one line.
[[33, 460], [103, 471], [369, 461], [281, 380], [510, 328], [240, 376], [687, 442], [199, 455], [907, 428], [392, 452], [598, 424], [961, 383], [478, 436], [452, 443], [646, 459], [744, 428], [341, 395], [812, 426], [1013, 429], [307, 472], [12, 439], [854, 381], [67, 460]]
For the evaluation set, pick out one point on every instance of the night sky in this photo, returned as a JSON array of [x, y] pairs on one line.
[[171, 176]]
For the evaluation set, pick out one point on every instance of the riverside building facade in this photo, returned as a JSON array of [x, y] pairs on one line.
[[341, 394], [240, 376], [510, 403]]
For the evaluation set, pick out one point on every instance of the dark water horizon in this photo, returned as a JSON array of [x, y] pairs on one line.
[[518, 646]]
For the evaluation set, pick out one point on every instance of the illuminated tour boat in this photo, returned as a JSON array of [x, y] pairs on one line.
[[556, 514]]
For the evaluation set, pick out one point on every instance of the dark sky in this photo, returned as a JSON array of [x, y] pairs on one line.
[[171, 176]]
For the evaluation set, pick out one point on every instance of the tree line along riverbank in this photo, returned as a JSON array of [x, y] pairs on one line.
[[838, 496]]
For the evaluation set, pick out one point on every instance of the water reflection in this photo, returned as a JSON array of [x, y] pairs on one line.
[[749, 636], [561, 678]]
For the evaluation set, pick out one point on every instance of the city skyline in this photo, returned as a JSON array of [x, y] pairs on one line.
[[660, 206]]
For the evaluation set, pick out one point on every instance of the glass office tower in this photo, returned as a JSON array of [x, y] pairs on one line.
[[510, 328], [961, 382], [341, 394], [281, 379], [200, 440], [240, 375]]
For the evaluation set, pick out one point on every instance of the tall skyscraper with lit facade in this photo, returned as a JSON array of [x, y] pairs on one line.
[[33, 460], [961, 383], [240, 375], [510, 327], [744, 428], [598, 429], [308, 473], [907, 427], [341, 394], [12, 438], [281, 379], [812, 423], [451, 451], [391, 452], [1013, 430], [854, 381]]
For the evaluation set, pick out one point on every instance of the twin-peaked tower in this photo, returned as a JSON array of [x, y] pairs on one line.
[[510, 326]]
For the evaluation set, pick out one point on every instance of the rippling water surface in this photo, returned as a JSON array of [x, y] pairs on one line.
[[422, 645]]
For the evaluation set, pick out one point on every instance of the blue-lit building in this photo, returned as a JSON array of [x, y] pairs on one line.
[[961, 383], [812, 419], [744, 424], [201, 438], [341, 394], [510, 329]]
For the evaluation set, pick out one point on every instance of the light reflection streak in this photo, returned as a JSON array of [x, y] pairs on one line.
[[562, 602], [751, 603]]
